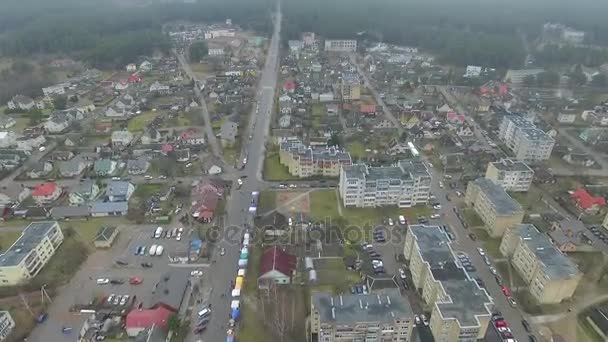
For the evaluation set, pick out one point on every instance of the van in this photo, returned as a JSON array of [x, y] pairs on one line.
[[204, 312]]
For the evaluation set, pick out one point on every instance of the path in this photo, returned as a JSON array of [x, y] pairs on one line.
[[577, 309]]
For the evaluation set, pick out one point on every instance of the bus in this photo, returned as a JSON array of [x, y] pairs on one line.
[[253, 207]]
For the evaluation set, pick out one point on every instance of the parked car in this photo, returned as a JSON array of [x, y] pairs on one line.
[[135, 280], [146, 264], [472, 236], [526, 325], [417, 320], [505, 290], [481, 251], [103, 281], [402, 274], [124, 300], [512, 301]]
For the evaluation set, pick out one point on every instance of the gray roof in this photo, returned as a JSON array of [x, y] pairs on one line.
[[84, 187], [117, 188], [71, 166], [139, 163], [301, 151], [504, 204], [404, 170], [528, 128], [109, 207], [229, 129], [69, 211], [29, 239], [466, 299], [557, 265], [384, 306], [511, 165], [105, 233], [169, 289]]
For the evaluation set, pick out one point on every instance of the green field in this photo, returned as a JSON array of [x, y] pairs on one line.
[[139, 122], [8, 238], [274, 171]]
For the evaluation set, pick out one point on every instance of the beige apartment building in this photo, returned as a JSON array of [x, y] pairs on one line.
[[605, 223], [28, 255], [305, 161], [350, 87], [551, 276], [461, 309], [511, 175], [384, 315], [495, 207]]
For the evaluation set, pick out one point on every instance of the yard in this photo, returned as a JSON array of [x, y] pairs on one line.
[[471, 217], [147, 190], [334, 276], [7, 238], [139, 122], [86, 230], [356, 150], [273, 170]]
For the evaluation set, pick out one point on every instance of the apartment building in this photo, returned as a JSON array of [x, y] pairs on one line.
[[350, 87], [6, 325], [605, 223], [527, 142], [511, 175], [404, 185], [551, 276], [28, 255], [495, 207], [306, 161], [461, 310], [381, 316], [341, 45]]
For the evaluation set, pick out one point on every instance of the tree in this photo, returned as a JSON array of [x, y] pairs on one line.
[[198, 50], [174, 323], [529, 80], [599, 80], [577, 77], [60, 102], [547, 79], [35, 116], [335, 140]]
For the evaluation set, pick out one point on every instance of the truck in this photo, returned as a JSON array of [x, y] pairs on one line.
[[158, 232]]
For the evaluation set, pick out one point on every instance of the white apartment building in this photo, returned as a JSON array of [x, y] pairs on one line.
[[511, 175], [6, 325], [342, 45], [527, 142], [404, 185]]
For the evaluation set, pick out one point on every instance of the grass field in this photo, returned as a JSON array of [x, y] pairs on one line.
[[139, 122], [273, 170], [357, 150], [8, 238], [86, 230]]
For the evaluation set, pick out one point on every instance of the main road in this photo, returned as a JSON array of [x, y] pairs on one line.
[[224, 269]]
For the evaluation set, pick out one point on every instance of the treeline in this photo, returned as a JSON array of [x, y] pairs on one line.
[[91, 29], [23, 78], [554, 54]]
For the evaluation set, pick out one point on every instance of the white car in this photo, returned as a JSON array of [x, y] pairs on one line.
[[147, 177], [124, 300], [223, 251], [481, 251], [196, 273], [178, 237], [103, 281], [437, 207], [417, 320], [188, 165], [180, 230], [493, 271], [116, 178], [390, 222], [239, 182], [441, 185], [42, 149], [402, 273], [435, 216], [162, 177]]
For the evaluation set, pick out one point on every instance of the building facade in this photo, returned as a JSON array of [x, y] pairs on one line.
[[6, 325], [526, 142], [511, 175], [381, 316], [28, 255], [350, 87], [550, 275], [605, 223], [461, 310], [495, 207], [404, 185], [305, 161], [342, 45]]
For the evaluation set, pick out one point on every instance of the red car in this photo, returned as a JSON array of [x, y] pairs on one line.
[[500, 324], [505, 291], [135, 281]]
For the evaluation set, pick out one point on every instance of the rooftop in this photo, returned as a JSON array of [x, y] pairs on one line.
[[511, 165], [384, 307], [315, 154], [105, 233], [528, 128], [504, 204], [434, 245], [404, 170], [169, 290], [557, 265], [31, 237]]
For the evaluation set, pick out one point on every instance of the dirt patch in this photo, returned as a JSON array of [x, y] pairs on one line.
[[289, 202], [565, 329]]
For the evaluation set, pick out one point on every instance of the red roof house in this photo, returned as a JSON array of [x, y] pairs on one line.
[[205, 197], [166, 148], [289, 86], [368, 109], [586, 201], [276, 266], [455, 118], [139, 320], [134, 79], [46, 192]]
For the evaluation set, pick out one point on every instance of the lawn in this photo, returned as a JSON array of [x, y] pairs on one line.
[[147, 190], [471, 217], [333, 274], [267, 200], [356, 150], [87, 230], [8, 238], [139, 122], [251, 328], [531, 200], [318, 110], [273, 170]]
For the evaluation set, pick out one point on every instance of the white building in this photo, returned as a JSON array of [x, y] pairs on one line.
[[57, 89], [21, 102], [472, 71], [573, 36], [7, 138], [404, 185], [511, 175], [131, 67], [216, 51], [527, 142], [342, 45], [121, 138], [566, 118], [6, 325]]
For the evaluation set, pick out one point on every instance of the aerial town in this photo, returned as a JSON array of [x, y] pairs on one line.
[[240, 183]]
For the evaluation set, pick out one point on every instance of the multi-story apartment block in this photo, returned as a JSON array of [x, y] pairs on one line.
[[527, 142], [495, 207], [512, 175], [350, 87], [380, 316], [26, 257], [605, 223], [551, 276], [406, 184], [341, 45], [461, 309], [305, 161], [6, 325]]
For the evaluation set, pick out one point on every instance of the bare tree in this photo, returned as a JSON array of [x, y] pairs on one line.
[[280, 320]]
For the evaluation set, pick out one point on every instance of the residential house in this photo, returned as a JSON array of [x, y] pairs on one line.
[[102, 209], [131, 67], [151, 135], [116, 112], [145, 66], [605, 223], [182, 155], [285, 121], [550, 275], [46, 193], [137, 166], [62, 155], [594, 135], [39, 169], [83, 193], [289, 87], [464, 131], [7, 122], [125, 102], [326, 97], [103, 127], [6, 325], [21, 102], [30, 142], [104, 167], [525, 141], [229, 131], [57, 89], [455, 118], [343, 45], [579, 158], [119, 191], [57, 124], [585, 201], [69, 212], [276, 267], [159, 89], [121, 138], [192, 136], [367, 109], [73, 167], [7, 138], [444, 109], [595, 117], [205, 197], [106, 236], [141, 320], [566, 117], [350, 87]]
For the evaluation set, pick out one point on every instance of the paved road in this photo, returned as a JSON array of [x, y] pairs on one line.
[[224, 270], [215, 149]]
